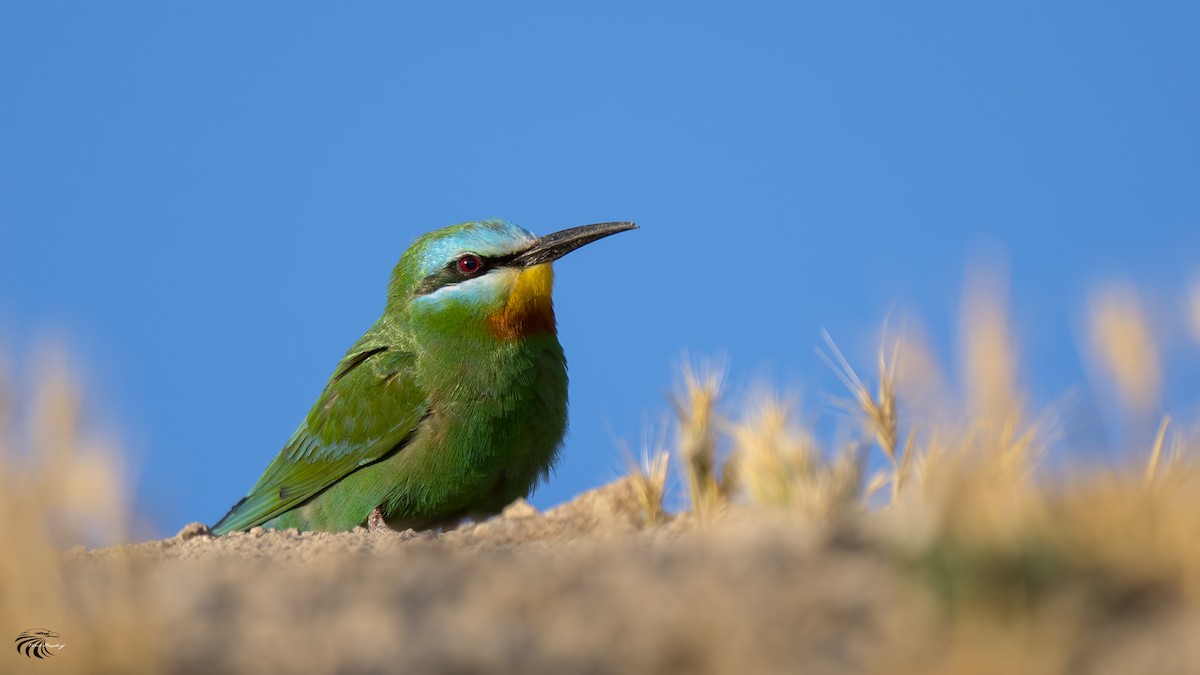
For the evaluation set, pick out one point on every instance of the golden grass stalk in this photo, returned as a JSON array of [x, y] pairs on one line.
[[904, 471], [1123, 347], [1170, 461], [696, 411], [772, 456], [1156, 451], [61, 484], [996, 426], [649, 477], [878, 411], [988, 353], [782, 466]]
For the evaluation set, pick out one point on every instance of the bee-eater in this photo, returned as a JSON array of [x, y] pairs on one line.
[[452, 405]]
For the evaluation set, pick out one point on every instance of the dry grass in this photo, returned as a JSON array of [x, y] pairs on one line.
[[957, 555], [696, 411], [1123, 348], [878, 413], [1037, 570], [649, 479], [62, 483]]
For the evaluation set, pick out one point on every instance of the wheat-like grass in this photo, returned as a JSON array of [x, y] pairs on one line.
[[696, 410], [1123, 347], [878, 411], [1156, 451], [649, 476], [62, 483]]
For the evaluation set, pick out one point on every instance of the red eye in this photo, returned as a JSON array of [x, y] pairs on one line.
[[469, 265]]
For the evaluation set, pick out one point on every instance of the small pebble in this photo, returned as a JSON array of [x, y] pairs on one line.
[[193, 530]]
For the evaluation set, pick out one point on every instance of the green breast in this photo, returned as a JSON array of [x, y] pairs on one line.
[[496, 418]]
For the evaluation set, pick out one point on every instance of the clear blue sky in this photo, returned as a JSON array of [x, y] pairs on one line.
[[207, 199]]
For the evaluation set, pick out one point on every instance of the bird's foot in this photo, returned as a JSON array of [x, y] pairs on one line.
[[375, 521]]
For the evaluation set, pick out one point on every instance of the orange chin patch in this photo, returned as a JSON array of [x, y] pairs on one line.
[[529, 309]]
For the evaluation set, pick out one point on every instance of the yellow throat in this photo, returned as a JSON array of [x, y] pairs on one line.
[[529, 309]]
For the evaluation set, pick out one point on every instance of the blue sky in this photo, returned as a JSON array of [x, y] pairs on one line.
[[207, 200]]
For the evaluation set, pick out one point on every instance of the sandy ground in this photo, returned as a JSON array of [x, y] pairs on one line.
[[583, 588]]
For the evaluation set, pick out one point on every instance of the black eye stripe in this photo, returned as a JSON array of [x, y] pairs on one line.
[[451, 274]]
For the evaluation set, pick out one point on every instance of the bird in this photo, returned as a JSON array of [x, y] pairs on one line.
[[452, 405]]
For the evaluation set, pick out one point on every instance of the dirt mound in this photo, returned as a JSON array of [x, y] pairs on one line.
[[586, 587]]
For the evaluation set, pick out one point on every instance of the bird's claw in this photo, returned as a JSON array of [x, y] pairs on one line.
[[375, 521]]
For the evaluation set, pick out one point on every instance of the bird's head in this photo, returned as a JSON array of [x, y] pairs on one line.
[[488, 276]]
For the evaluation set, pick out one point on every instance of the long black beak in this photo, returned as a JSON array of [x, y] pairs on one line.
[[554, 246]]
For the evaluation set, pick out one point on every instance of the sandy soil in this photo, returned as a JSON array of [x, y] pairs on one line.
[[583, 588]]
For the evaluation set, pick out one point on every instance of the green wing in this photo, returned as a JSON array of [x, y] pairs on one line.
[[369, 410]]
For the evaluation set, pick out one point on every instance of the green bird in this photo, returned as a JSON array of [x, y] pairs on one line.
[[452, 405]]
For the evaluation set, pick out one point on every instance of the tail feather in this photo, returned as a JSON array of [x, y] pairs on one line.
[[244, 515]]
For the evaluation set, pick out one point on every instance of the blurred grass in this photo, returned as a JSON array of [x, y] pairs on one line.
[[63, 482], [957, 555]]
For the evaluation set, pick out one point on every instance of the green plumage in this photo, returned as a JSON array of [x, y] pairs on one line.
[[434, 414]]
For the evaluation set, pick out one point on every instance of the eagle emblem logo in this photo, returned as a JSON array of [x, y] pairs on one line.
[[36, 643]]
